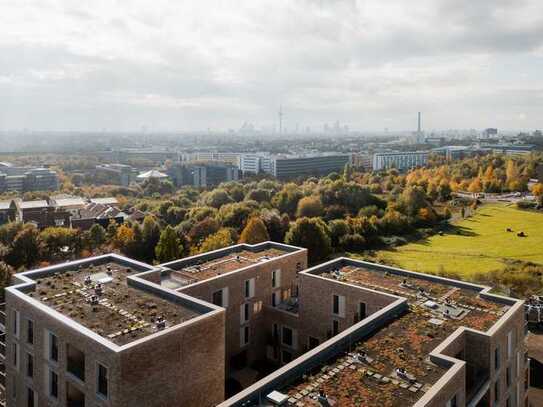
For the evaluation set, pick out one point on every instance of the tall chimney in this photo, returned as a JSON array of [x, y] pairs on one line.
[[419, 128]]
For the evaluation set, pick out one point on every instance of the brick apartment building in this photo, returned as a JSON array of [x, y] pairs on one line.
[[250, 325]]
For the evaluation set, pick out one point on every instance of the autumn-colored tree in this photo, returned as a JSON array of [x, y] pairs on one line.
[[254, 232], [309, 206], [223, 238], [537, 189]]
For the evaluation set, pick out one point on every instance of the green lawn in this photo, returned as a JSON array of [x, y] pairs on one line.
[[477, 244]]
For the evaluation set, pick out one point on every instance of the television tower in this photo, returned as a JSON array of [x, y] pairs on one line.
[[280, 119]]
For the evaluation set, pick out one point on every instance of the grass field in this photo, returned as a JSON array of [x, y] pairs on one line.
[[477, 244]]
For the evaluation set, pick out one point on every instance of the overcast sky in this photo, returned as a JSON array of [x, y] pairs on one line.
[[194, 65]]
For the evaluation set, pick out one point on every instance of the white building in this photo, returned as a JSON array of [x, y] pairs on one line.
[[400, 160]]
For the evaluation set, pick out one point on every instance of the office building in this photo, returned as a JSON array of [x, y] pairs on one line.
[[117, 174], [202, 174], [287, 167], [23, 179], [399, 160], [247, 326]]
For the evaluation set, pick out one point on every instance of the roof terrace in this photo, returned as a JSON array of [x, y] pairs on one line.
[[203, 267], [99, 295], [392, 365]]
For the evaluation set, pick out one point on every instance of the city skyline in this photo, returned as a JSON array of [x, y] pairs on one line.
[[187, 67]]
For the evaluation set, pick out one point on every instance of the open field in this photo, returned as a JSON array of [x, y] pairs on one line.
[[477, 244]]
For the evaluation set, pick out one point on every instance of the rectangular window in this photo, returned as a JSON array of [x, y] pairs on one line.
[[274, 300], [220, 297], [508, 376], [102, 380], [30, 332], [335, 327], [244, 336], [519, 357], [52, 347], [276, 278], [15, 321], [76, 362], [287, 337], [497, 390], [509, 344], [313, 342], [497, 358], [53, 384], [244, 311], [15, 355], [31, 398], [361, 311], [249, 288], [338, 305], [287, 356], [29, 365], [452, 402]]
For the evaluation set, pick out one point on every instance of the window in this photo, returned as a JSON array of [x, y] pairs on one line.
[[31, 399], [287, 356], [244, 311], [249, 288], [335, 327], [361, 311], [313, 342], [53, 384], [509, 344], [76, 362], [15, 321], [518, 363], [276, 278], [220, 298], [15, 355], [497, 390], [29, 365], [244, 336], [497, 358], [52, 347], [508, 376], [102, 380], [287, 337], [274, 300], [452, 402], [338, 305], [29, 332]]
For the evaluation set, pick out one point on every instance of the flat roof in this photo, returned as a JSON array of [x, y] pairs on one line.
[[96, 293], [435, 310], [204, 267]]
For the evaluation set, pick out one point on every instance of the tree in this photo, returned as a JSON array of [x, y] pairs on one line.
[[5, 277], [287, 199], [217, 198], [223, 238], [97, 235], [312, 234], [27, 247], [254, 232], [309, 206], [150, 237], [169, 245], [203, 229], [124, 238], [537, 189], [58, 241]]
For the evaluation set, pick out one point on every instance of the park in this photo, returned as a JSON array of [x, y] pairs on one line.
[[476, 244]]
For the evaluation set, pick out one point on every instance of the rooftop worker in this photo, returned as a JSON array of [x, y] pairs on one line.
[[323, 399]]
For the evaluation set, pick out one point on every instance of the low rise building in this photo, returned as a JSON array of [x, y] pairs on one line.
[[287, 167], [202, 174], [24, 179], [118, 174], [399, 160]]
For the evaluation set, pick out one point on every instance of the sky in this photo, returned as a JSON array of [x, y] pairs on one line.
[[183, 65]]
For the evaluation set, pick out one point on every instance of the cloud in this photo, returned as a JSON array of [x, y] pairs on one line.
[[194, 65]]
